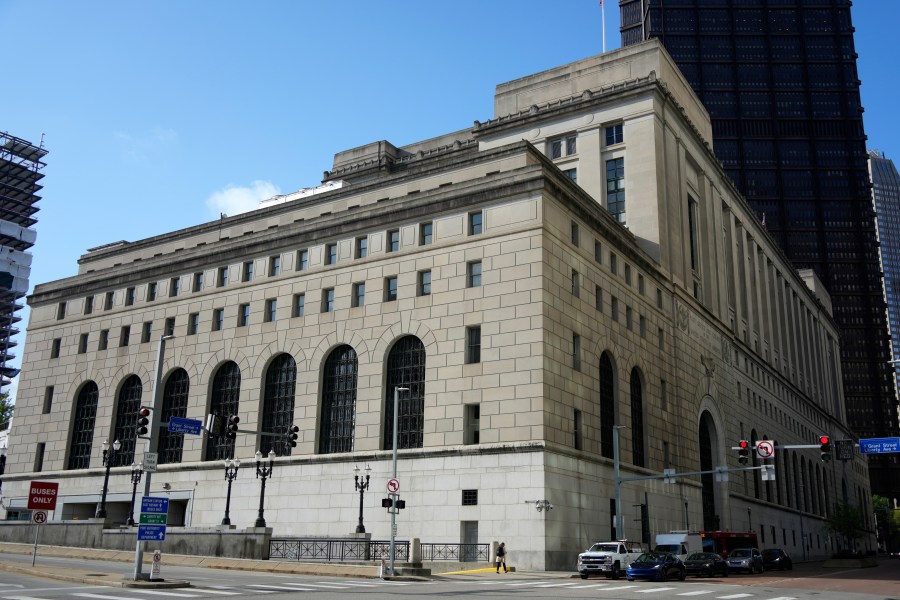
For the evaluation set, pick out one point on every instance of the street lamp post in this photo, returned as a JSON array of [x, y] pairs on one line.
[[361, 486], [397, 391], [231, 471], [136, 472], [108, 455], [620, 519], [264, 472]]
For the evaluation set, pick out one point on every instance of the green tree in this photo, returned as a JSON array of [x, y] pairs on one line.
[[888, 523], [6, 407], [846, 521]]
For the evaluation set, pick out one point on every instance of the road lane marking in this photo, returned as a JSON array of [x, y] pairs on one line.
[[731, 597], [697, 593], [156, 593], [550, 585], [221, 592], [621, 587], [654, 590]]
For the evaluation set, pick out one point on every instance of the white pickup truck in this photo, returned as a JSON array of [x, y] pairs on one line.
[[609, 558]]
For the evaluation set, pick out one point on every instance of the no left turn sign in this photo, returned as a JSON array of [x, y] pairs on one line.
[[393, 486], [765, 449], [39, 517]]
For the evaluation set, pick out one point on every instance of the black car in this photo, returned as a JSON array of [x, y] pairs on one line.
[[776, 558], [656, 566], [705, 563]]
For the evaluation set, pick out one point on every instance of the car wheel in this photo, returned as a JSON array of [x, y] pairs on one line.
[[790, 566], [725, 572], [615, 572], [682, 575], [629, 578], [584, 575]]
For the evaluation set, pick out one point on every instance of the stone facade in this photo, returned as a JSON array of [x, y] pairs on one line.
[[684, 324]]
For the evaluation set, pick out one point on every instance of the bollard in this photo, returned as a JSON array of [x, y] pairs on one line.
[[154, 568]]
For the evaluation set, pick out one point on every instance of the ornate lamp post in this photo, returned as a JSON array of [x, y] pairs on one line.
[[361, 486], [231, 471], [264, 472], [136, 472], [109, 454]]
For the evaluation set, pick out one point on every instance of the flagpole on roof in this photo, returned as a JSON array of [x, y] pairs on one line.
[[603, 24]]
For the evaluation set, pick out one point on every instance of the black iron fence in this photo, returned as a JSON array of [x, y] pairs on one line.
[[337, 550], [456, 552]]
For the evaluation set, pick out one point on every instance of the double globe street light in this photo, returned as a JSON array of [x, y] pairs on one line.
[[109, 454], [361, 486], [263, 471], [231, 470], [136, 472]]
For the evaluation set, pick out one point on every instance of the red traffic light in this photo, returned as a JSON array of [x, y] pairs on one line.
[[144, 412], [744, 444], [825, 447], [143, 422], [232, 428], [743, 451], [824, 439]]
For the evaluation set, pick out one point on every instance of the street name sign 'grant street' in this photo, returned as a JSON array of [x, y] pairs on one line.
[[185, 426], [879, 445]]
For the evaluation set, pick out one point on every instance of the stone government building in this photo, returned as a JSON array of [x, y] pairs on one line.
[[578, 262]]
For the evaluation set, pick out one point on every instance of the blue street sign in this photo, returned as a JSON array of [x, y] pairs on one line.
[[182, 425], [879, 445], [158, 506], [151, 533]]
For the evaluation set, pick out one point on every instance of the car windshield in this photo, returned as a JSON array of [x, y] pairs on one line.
[[604, 548], [740, 553], [700, 556], [771, 553], [651, 557]]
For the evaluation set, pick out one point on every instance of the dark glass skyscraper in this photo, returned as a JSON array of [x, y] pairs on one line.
[[778, 78], [886, 187]]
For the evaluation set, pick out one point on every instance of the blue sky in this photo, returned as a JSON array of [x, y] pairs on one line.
[[159, 115]]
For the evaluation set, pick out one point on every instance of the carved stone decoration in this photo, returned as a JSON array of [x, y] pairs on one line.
[[726, 350], [684, 317]]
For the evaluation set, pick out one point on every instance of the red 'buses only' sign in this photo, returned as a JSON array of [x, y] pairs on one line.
[[42, 495]]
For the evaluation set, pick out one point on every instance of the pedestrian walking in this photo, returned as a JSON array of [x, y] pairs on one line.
[[501, 557]]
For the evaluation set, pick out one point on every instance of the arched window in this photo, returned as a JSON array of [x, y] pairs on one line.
[[226, 392], [707, 493], [174, 404], [405, 368], [278, 404], [126, 420], [83, 426], [338, 420], [607, 405], [637, 418]]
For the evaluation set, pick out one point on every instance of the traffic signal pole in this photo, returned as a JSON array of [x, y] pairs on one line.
[[151, 442]]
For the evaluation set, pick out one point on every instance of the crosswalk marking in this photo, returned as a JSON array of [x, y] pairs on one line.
[[156, 593], [620, 587], [278, 587], [220, 592], [783, 598], [731, 597], [11, 585], [526, 583], [594, 585], [697, 593], [99, 596], [22, 598], [549, 585], [654, 590]]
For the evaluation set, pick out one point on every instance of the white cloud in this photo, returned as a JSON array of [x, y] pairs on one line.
[[235, 199]]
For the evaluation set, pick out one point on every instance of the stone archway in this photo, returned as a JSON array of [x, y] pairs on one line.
[[708, 436]]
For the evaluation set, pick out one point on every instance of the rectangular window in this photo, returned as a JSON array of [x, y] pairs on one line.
[[222, 278], [473, 344], [274, 266], [469, 497], [359, 294], [390, 289], [614, 308], [243, 315], [193, 323], [473, 274], [108, 301], [362, 247], [328, 300], [472, 424], [659, 298], [574, 233], [627, 274], [302, 260], [576, 351], [598, 298], [424, 283], [103, 344], [475, 223], [197, 284], [576, 285], [393, 240], [571, 174], [39, 457], [82, 343], [247, 274], [88, 305], [146, 331], [640, 284], [60, 311], [613, 263], [663, 395], [174, 286], [614, 135], [598, 252], [660, 338], [643, 326], [615, 188], [129, 296], [330, 254], [55, 348], [576, 418], [426, 231], [692, 232], [151, 291], [271, 309], [124, 335], [169, 327], [628, 317], [563, 146], [48, 400], [218, 320], [299, 305]]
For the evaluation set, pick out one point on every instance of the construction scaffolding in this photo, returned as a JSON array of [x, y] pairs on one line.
[[20, 173]]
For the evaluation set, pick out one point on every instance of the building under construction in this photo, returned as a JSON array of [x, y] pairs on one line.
[[20, 174]]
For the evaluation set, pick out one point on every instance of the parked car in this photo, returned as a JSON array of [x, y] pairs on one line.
[[745, 559], [609, 558], [776, 558], [656, 566], [705, 563]]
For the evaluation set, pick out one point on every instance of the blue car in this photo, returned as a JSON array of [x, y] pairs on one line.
[[656, 566]]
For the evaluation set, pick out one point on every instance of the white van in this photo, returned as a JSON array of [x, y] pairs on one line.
[[679, 543]]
